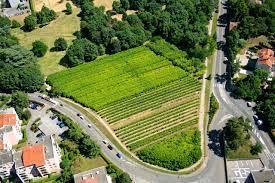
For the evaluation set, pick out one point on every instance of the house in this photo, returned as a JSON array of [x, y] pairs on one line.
[[97, 175], [261, 176], [16, 7], [266, 60], [38, 160], [6, 163], [10, 130]]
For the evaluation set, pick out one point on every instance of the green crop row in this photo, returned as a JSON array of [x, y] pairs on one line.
[[162, 134]]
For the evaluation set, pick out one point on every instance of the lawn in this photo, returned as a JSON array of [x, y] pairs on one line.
[[82, 164], [242, 152], [63, 26]]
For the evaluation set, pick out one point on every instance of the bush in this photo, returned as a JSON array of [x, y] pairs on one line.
[[113, 170], [124, 178], [30, 22], [45, 15], [256, 149], [69, 9], [214, 105], [15, 24], [26, 115], [60, 44], [39, 48]]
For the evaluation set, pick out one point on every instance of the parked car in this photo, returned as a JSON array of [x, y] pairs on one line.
[[255, 117], [40, 135], [110, 147], [78, 114], [249, 104], [89, 125], [104, 141], [119, 155], [259, 122], [81, 117], [61, 125]]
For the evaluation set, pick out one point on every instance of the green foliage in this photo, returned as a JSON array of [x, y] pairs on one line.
[[69, 9], [256, 149], [39, 48], [19, 99], [3, 100], [214, 106], [266, 105], [178, 152], [236, 132], [178, 57], [137, 70], [26, 115], [250, 87], [15, 24], [45, 15], [30, 22], [60, 44], [113, 170], [124, 178], [82, 50]]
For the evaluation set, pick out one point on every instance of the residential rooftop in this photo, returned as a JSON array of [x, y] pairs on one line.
[[97, 175]]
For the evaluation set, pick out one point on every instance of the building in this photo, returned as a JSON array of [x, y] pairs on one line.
[[97, 175], [266, 60], [10, 130], [261, 176], [38, 160], [6, 163], [16, 7]]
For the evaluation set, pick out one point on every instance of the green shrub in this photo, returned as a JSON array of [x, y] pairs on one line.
[[69, 9], [15, 24], [214, 106], [60, 44], [39, 48]]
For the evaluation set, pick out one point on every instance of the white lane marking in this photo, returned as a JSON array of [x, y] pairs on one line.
[[261, 140], [228, 116]]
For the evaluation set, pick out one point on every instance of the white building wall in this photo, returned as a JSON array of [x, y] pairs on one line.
[[5, 169]]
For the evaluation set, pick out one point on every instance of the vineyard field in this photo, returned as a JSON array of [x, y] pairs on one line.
[[115, 77], [146, 100]]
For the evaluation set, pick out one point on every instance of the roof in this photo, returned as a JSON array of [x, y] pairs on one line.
[[47, 142], [97, 175], [17, 158], [5, 157], [7, 119], [34, 155], [266, 56], [261, 176]]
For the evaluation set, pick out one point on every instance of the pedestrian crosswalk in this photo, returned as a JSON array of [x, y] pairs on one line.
[[270, 156]]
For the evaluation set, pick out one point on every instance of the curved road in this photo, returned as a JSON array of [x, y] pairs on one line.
[[213, 169]]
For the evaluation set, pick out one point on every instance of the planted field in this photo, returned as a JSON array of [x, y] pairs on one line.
[[113, 78], [146, 100]]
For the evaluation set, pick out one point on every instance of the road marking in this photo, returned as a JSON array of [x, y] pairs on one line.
[[228, 116], [219, 85], [270, 156]]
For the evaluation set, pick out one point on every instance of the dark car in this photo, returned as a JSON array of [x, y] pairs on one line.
[[78, 114], [61, 125], [110, 147], [119, 155], [40, 135]]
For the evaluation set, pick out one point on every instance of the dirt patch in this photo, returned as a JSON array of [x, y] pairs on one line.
[[20, 18], [151, 112], [56, 5], [106, 3], [118, 17]]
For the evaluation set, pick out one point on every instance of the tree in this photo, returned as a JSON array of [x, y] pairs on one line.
[[30, 22], [114, 46], [39, 48], [19, 99], [125, 4], [236, 132], [256, 149], [81, 51], [124, 178], [60, 44], [69, 9], [45, 15], [88, 148]]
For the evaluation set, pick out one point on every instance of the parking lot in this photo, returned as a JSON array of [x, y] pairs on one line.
[[50, 125], [239, 170]]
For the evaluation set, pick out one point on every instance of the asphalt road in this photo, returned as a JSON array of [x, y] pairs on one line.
[[213, 170]]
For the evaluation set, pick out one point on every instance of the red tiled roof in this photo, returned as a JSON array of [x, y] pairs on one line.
[[34, 155], [7, 119], [89, 180], [266, 56]]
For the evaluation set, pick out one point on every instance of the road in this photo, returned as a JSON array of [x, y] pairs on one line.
[[213, 170]]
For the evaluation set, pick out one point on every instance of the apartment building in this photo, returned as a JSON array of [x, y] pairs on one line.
[[6, 163], [38, 160], [10, 129]]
